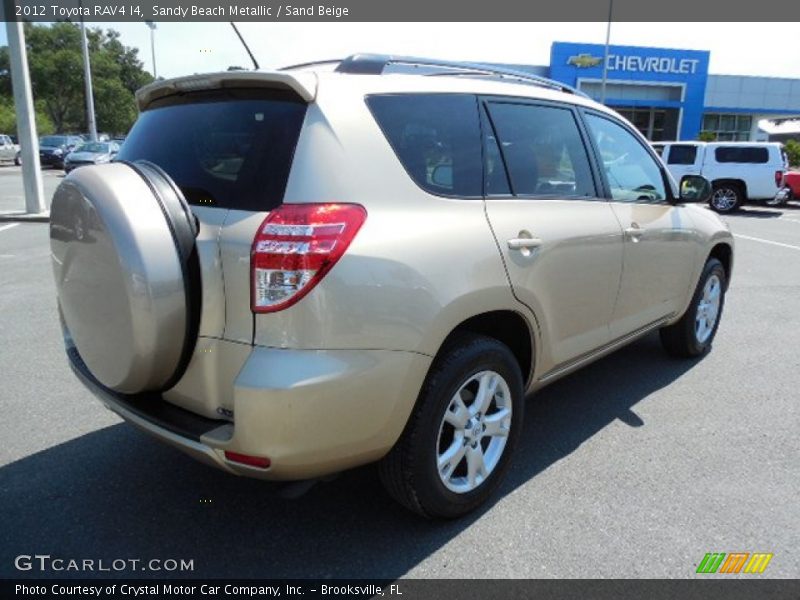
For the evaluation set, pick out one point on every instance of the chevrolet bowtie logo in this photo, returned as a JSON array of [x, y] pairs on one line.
[[584, 61]]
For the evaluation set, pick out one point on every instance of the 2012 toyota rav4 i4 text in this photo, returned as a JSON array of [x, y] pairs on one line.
[[288, 274]]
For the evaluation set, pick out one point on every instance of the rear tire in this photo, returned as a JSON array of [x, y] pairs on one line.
[[455, 449], [726, 197], [693, 335]]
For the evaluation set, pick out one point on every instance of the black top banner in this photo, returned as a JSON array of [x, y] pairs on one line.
[[399, 11]]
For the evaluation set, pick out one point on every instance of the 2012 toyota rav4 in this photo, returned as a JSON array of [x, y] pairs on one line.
[[288, 274]]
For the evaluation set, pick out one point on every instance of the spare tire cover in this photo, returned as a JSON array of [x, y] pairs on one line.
[[121, 238]]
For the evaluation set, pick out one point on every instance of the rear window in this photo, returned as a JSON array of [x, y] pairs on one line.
[[682, 155], [437, 139], [742, 154], [230, 149]]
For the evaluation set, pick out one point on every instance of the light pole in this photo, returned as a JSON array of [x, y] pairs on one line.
[[87, 76], [152, 27], [26, 123], [605, 58]]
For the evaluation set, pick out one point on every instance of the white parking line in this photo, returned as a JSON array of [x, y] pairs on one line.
[[9, 226], [763, 241]]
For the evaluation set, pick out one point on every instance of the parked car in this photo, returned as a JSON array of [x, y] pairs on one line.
[[54, 148], [9, 150], [791, 180], [90, 153], [289, 274], [739, 171]]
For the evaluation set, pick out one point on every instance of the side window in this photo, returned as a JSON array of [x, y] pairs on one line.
[[682, 155], [633, 174], [543, 150], [437, 139], [742, 154]]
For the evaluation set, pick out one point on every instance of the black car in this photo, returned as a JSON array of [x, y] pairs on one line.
[[54, 148]]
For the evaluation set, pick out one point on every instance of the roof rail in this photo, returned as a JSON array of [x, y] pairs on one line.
[[313, 63], [375, 64]]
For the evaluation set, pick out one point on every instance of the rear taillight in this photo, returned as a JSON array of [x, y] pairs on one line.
[[779, 178], [296, 245]]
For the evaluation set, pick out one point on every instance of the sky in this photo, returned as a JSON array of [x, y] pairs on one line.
[[184, 48]]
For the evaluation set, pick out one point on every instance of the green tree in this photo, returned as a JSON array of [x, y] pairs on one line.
[[56, 66], [793, 152], [8, 118]]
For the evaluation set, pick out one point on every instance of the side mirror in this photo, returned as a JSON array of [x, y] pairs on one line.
[[694, 188], [443, 176]]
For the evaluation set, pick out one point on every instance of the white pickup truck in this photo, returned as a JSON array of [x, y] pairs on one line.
[[739, 171]]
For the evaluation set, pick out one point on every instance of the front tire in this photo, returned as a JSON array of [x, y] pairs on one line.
[[459, 440], [726, 197], [693, 335]]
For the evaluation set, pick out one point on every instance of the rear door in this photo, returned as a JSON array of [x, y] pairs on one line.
[[660, 245], [561, 242], [230, 152]]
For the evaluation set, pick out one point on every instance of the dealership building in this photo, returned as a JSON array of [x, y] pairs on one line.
[[669, 94]]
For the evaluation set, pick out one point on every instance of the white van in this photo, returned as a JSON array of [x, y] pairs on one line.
[[739, 171]]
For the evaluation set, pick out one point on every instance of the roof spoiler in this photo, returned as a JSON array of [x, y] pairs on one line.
[[304, 84]]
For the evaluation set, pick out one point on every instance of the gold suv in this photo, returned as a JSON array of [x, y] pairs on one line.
[[288, 274]]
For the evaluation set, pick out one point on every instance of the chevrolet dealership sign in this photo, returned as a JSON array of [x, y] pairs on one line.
[[638, 64], [652, 64]]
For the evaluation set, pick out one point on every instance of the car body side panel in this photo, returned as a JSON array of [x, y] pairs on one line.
[[710, 231], [420, 264]]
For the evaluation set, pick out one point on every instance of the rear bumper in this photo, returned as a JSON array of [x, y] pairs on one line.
[[311, 412], [51, 160], [150, 413]]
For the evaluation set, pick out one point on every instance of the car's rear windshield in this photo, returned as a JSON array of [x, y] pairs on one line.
[[227, 149], [52, 140]]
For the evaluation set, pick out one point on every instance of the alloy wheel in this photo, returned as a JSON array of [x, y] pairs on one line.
[[708, 309], [473, 432]]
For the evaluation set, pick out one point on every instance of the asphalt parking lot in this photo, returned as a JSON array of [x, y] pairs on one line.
[[636, 466]]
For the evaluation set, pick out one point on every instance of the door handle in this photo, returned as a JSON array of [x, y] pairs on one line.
[[634, 232], [520, 243]]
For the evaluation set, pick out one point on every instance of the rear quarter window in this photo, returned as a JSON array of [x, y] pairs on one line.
[[228, 149], [741, 154], [437, 139]]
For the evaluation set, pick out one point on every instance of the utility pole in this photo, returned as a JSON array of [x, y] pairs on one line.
[[26, 122], [87, 77], [605, 58], [152, 27]]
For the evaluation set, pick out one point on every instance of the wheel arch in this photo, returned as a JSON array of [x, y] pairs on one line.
[[506, 326], [723, 252], [740, 183]]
